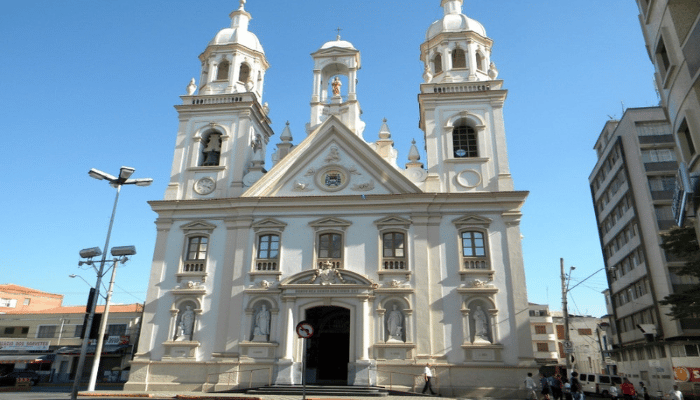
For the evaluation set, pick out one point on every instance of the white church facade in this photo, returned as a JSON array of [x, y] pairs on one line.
[[394, 267]]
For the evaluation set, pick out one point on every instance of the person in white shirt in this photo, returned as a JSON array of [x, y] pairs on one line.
[[613, 391], [675, 393], [530, 385], [428, 373]]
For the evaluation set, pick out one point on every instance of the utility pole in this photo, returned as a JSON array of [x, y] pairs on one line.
[[564, 293]]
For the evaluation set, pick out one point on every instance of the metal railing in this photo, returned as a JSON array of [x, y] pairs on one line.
[[235, 376], [418, 380]]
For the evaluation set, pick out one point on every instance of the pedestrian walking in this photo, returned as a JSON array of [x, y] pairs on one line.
[[428, 374], [545, 385], [675, 393], [556, 386], [645, 393], [530, 385], [614, 394], [576, 388], [627, 388]]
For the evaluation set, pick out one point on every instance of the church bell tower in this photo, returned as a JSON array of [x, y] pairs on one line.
[[224, 128], [461, 107]]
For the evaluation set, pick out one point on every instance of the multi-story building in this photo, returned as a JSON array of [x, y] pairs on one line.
[[672, 34], [632, 186], [20, 298], [49, 342], [588, 340], [544, 336], [392, 267]]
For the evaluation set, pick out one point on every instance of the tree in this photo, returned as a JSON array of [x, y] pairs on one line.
[[682, 243]]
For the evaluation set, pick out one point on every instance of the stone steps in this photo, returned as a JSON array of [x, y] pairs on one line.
[[314, 390]]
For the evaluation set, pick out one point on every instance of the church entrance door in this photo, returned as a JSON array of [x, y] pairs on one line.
[[328, 351]]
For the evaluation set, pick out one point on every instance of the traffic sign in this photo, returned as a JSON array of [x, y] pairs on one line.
[[305, 330], [568, 346]]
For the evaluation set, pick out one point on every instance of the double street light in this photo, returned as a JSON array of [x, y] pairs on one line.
[[120, 254]]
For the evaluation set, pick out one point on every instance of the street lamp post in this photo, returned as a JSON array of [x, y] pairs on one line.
[[565, 279], [116, 182]]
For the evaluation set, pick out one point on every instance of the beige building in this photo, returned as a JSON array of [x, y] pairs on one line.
[[545, 343], [633, 189], [20, 298], [672, 34], [49, 342]]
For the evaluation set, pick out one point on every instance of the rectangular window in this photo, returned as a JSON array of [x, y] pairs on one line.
[[653, 129], [393, 250], [586, 332], [46, 331], [196, 254], [686, 139], [116, 330], [544, 347], [26, 302], [473, 244], [11, 303], [9, 331], [662, 60], [268, 246], [691, 350], [540, 330], [658, 155], [78, 331]]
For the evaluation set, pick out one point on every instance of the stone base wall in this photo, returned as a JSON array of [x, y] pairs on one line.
[[450, 380]]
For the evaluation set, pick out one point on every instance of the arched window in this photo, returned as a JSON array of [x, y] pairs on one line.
[[474, 254], [459, 60], [330, 249], [222, 72], [244, 73], [196, 256], [437, 64], [479, 61], [394, 251], [268, 252], [464, 141], [211, 153]]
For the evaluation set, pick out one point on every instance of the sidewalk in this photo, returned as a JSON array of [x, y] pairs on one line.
[[240, 396]]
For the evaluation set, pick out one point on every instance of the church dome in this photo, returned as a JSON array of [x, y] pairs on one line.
[[238, 33], [238, 36], [454, 21], [338, 43]]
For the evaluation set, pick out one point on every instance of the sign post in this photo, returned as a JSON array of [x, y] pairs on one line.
[[305, 330]]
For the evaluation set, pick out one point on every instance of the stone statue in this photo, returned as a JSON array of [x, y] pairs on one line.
[[336, 86], [191, 88], [393, 324], [480, 325], [179, 333], [262, 324], [187, 323]]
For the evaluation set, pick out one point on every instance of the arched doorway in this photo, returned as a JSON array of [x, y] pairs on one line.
[[328, 351]]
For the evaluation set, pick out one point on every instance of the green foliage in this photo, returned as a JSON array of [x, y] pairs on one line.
[[682, 243]]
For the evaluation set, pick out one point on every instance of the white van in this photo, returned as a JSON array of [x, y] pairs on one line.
[[599, 383]]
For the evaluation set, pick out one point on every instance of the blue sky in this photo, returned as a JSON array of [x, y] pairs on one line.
[[92, 84]]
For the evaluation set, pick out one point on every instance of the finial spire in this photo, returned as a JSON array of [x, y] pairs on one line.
[[242, 7], [337, 38]]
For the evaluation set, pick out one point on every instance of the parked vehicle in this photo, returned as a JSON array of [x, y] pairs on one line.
[[11, 378], [598, 383]]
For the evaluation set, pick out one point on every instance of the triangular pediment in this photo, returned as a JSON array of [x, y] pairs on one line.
[[472, 220], [332, 161], [198, 226], [393, 222], [330, 222], [269, 223]]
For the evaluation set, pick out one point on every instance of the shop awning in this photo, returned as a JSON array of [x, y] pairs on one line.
[[29, 359], [75, 351]]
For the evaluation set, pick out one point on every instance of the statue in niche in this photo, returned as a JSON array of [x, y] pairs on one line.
[[212, 151], [337, 84], [262, 325], [393, 325], [481, 333], [186, 325]]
